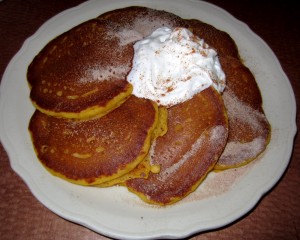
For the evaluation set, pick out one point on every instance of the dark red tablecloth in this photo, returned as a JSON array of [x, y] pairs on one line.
[[276, 216]]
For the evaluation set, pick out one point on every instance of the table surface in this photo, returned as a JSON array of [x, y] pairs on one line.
[[276, 216]]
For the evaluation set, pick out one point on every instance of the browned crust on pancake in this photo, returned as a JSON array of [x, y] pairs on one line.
[[96, 150], [142, 19], [66, 76], [219, 40], [129, 15], [249, 129], [241, 81]]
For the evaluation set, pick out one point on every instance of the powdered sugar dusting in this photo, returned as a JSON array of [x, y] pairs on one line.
[[236, 152], [141, 27], [218, 183], [215, 134], [127, 36], [218, 133], [238, 111], [145, 26], [99, 73]]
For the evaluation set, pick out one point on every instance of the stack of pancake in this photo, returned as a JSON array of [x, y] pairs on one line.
[[89, 129]]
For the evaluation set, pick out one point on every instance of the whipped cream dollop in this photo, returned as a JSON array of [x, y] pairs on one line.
[[172, 65]]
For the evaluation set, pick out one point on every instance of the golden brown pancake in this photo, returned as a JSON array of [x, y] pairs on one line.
[[138, 22], [97, 150], [219, 40], [196, 137], [81, 73], [145, 167], [140, 171], [249, 129]]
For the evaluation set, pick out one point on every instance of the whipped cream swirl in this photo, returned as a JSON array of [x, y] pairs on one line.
[[171, 66]]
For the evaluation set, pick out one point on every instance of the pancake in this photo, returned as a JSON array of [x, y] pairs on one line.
[[141, 171], [219, 40], [196, 136], [82, 72], [97, 150], [249, 129], [145, 167], [138, 22]]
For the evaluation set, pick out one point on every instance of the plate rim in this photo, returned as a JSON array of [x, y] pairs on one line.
[[27, 179]]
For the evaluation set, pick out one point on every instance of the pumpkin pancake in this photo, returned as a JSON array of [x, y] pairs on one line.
[[196, 136], [138, 22], [81, 73], [140, 171], [249, 129], [219, 40], [145, 167], [93, 151]]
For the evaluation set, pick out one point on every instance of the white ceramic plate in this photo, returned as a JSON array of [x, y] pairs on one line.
[[114, 212]]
